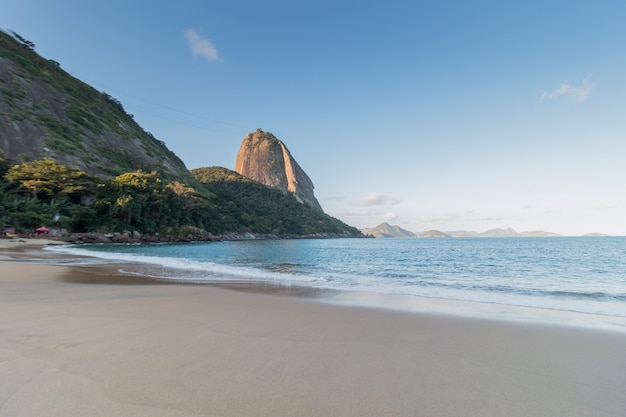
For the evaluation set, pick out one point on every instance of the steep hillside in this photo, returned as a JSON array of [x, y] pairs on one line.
[[45, 112], [266, 159], [73, 159], [263, 209]]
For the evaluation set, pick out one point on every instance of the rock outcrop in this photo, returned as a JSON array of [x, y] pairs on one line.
[[264, 158]]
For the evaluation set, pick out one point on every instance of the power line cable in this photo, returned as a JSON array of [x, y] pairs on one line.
[[171, 109]]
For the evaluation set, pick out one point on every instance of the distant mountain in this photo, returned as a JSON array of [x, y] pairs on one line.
[[387, 231], [538, 233], [433, 234], [508, 232], [462, 233]]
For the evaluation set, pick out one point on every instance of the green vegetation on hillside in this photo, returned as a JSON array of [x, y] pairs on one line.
[[43, 192], [264, 209], [46, 193]]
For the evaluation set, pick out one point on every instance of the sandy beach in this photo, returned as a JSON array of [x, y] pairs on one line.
[[71, 348]]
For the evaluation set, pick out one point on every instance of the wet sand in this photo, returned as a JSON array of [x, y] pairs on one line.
[[118, 347]]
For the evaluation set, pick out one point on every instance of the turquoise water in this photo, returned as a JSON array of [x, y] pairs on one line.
[[586, 275]]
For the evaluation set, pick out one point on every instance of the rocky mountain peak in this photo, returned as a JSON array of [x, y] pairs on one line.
[[265, 158]]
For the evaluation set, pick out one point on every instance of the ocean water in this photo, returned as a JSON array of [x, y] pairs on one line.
[[578, 274]]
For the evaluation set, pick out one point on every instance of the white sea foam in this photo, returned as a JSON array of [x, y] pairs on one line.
[[580, 276], [184, 269]]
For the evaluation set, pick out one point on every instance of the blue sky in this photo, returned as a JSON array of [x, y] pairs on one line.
[[430, 115]]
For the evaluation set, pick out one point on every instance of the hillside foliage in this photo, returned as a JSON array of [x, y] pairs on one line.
[[77, 161], [265, 209], [43, 192]]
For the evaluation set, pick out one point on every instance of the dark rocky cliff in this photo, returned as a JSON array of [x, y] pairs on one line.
[[45, 112], [264, 158]]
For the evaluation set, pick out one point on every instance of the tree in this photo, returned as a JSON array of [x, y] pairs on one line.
[[44, 192], [135, 200], [45, 179], [4, 164], [26, 213]]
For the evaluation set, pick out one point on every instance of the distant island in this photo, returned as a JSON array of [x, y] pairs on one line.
[[385, 230]]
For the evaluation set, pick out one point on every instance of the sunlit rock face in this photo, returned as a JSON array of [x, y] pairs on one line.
[[265, 158]]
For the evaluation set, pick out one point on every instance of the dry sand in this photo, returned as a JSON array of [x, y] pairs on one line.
[[73, 349]]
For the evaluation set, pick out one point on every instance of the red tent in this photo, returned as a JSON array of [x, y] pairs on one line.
[[42, 231]]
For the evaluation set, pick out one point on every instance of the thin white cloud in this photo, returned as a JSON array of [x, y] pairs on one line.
[[201, 46], [444, 218], [604, 206], [390, 217], [490, 219], [576, 93], [377, 199]]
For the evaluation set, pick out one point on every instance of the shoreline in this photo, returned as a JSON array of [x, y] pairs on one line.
[[109, 272], [68, 348]]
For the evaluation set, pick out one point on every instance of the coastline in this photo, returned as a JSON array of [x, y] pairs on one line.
[[164, 349], [131, 269]]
